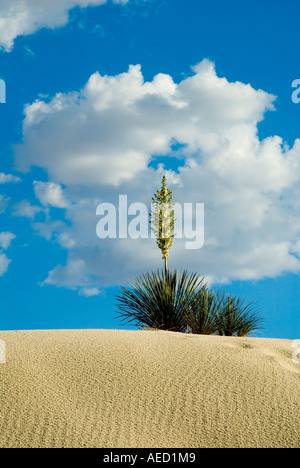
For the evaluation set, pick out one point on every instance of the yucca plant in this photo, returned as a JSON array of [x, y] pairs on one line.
[[160, 299], [202, 317], [167, 300], [237, 318]]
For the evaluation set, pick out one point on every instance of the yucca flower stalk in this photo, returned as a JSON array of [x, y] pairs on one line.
[[162, 220]]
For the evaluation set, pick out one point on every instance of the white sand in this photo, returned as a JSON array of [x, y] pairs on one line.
[[149, 389]]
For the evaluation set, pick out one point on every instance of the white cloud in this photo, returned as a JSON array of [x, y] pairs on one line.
[[6, 239], [8, 178], [25, 209], [115, 125], [50, 194], [4, 202], [4, 264], [89, 292], [106, 135], [24, 17], [70, 276]]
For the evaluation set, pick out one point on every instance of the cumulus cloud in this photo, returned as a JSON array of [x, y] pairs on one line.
[[109, 132], [70, 276], [24, 17], [50, 194], [4, 263], [8, 178], [4, 202], [89, 292], [117, 124], [25, 209], [6, 239]]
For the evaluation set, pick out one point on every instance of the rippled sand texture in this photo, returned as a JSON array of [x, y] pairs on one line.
[[149, 389]]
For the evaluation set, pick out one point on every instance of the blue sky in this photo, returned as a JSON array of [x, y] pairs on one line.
[[80, 126]]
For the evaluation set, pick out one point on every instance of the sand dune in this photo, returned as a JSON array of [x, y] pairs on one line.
[[149, 389]]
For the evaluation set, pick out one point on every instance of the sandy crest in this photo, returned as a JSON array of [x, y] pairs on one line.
[[149, 389]]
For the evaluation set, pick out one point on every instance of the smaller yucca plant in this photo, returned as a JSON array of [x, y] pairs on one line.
[[237, 318]]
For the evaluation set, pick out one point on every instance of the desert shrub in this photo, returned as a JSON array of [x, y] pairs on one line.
[[181, 302], [236, 317], [160, 299]]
